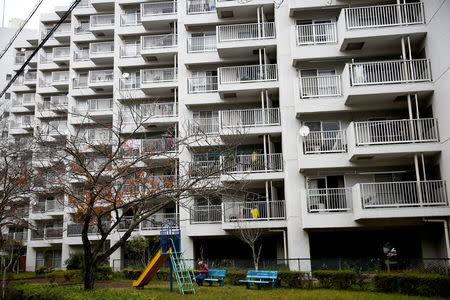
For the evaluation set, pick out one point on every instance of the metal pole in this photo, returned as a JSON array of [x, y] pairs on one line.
[[419, 190]]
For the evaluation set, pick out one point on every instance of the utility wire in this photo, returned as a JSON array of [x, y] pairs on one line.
[[41, 44], [19, 30]]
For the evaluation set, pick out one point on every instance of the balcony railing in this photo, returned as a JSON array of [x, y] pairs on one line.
[[158, 75], [96, 105], [57, 128], [19, 59], [99, 21], [130, 83], [137, 147], [254, 211], [253, 73], [60, 77], [56, 205], [159, 41], [200, 126], [48, 233], [81, 55], [249, 117], [82, 28], [395, 71], [158, 8], [130, 50], [320, 86], [396, 131], [59, 102], [242, 32], [101, 76], [201, 169], [28, 98], [63, 28], [46, 59], [77, 229], [101, 48], [329, 200], [385, 15], [206, 214], [130, 19], [333, 141], [206, 84], [159, 110], [404, 194], [253, 163], [202, 44], [30, 76], [61, 52], [18, 236], [314, 34], [80, 83], [200, 6], [155, 221]]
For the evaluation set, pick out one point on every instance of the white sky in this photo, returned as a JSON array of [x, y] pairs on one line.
[[22, 8]]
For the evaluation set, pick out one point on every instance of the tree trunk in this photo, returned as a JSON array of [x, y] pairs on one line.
[[5, 268], [89, 275], [255, 261]]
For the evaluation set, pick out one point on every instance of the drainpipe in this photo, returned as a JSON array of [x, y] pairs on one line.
[[447, 241], [284, 242]]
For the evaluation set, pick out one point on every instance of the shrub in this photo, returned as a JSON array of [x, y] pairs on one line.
[[75, 261], [132, 274], [71, 274], [293, 279], [103, 273], [233, 277], [43, 270], [335, 279], [428, 285]]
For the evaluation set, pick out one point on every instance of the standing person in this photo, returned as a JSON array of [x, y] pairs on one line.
[[204, 271]]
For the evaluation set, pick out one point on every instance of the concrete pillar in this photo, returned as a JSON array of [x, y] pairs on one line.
[[31, 259], [65, 253]]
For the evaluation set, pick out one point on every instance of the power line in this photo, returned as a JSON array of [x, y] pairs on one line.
[[41, 44], [19, 30]]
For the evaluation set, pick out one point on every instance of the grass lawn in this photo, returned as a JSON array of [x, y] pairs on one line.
[[160, 290]]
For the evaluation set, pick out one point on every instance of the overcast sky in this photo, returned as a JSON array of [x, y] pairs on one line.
[[22, 8]]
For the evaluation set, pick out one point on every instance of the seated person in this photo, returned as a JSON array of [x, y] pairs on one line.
[[204, 271]]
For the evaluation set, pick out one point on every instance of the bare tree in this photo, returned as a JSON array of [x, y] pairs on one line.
[[113, 178], [251, 235]]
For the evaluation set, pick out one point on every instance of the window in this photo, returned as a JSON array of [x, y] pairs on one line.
[[8, 76]]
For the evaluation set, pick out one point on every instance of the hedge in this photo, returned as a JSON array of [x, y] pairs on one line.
[[428, 285], [341, 280]]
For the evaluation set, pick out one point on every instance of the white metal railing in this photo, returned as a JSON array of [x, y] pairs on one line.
[[253, 163], [96, 135], [254, 211], [59, 101], [60, 76], [76, 229], [329, 200], [81, 55], [199, 126], [202, 44], [130, 19], [158, 8], [47, 233], [18, 236], [252, 73], [395, 71], [82, 28], [206, 214], [314, 34], [44, 82], [206, 84], [333, 141], [158, 75], [403, 194], [28, 98], [130, 83], [208, 168], [30, 76], [80, 83], [100, 76], [63, 28], [19, 80], [200, 6], [320, 86], [385, 15], [130, 50], [46, 59], [137, 147], [396, 131], [102, 20], [249, 117], [159, 110], [61, 52], [96, 105], [155, 221], [101, 48], [19, 59], [57, 127], [159, 41], [242, 32]]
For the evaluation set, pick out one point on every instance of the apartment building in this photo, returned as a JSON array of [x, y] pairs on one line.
[[343, 103]]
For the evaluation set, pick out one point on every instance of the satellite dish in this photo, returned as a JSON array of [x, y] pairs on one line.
[[125, 75], [304, 130]]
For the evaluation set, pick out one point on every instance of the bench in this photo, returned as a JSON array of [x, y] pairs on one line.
[[216, 276], [260, 277]]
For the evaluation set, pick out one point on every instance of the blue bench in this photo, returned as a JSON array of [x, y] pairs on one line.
[[260, 277], [216, 276]]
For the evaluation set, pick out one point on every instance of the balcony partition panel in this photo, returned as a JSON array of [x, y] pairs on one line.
[[329, 200], [320, 86], [314, 34], [252, 73], [239, 32], [206, 214], [333, 141]]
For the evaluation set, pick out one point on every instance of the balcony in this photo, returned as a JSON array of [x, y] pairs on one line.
[[137, 147], [393, 138], [102, 52], [101, 80], [320, 86], [321, 142], [200, 7], [49, 206], [329, 200], [162, 80], [22, 125], [162, 46], [249, 121], [159, 113], [204, 126], [81, 55], [254, 214], [202, 50], [316, 34], [130, 19], [80, 83], [103, 4], [21, 236], [205, 214], [60, 79], [62, 33], [255, 167], [96, 109], [242, 9], [30, 78], [237, 39], [74, 230], [205, 84], [158, 15], [59, 103], [102, 25], [400, 199], [47, 233], [245, 80], [383, 81], [372, 24], [56, 128], [155, 221], [61, 55], [27, 101]]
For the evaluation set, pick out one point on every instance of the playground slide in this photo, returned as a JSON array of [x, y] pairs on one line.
[[153, 267]]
